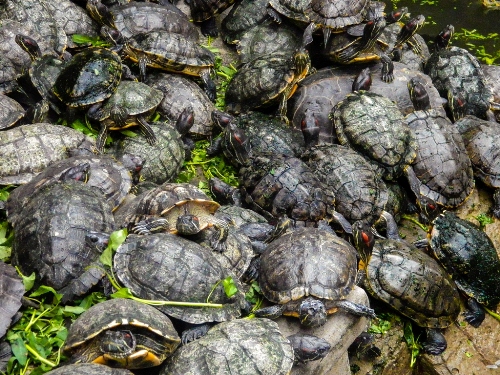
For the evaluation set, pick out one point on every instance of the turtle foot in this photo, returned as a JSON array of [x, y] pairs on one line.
[[194, 333], [475, 314], [435, 343], [149, 226]]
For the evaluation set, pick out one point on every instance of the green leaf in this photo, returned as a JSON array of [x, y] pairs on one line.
[[230, 287], [29, 281], [115, 240], [19, 350], [129, 133], [5, 252], [74, 309], [122, 293], [43, 289]]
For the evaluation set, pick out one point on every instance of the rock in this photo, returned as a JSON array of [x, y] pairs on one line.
[[340, 331]]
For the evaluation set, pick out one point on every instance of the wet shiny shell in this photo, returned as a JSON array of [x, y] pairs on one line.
[[413, 283], [456, 69], [307, 262], [180, 92], [90, 77], [11, 290], [243, 346], [50, 237], [360, 194], [44, 72], [442, 164], [123, 314], [29, 149], [373, 125], [468, 254], [186, 271], [163, 160], [88, 369], [10, 111]]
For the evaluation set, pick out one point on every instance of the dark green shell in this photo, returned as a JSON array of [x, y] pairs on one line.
[[11, 290], [413, 283], [88, 369], [202, 10], [10, 111], [243, 15], [360, 194], [242, 346], [442, 164], [44, 72], [373, 125], [90, 77], [468, 254], [50, 237], [187, 272]]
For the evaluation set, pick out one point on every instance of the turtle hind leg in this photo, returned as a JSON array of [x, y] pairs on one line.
[[218, 239], [194, 333], [270, 312], [435, 343], [151, 225], [475, 314], [356, 308], [148, 132]]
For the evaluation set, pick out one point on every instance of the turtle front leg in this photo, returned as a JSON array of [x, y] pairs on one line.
[[356, 308], [282, 108], [151, 225], [435, 343], [475, 314], [101, 138], [143, 63], [218, 239], [194, 333], [387, 71], [270, 312], [146, 129], [209, 85]]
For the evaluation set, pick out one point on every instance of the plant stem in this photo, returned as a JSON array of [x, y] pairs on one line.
[[39, 357]]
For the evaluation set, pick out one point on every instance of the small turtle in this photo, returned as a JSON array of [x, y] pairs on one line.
[[468, 255], [482, 145], [442, 170], [11, 112], [408, 280], [242, 17], [131, 104], [121, 333], [11, 290], [308, 273], [188, 272], [204, 11], [246, 347], [88, 369]]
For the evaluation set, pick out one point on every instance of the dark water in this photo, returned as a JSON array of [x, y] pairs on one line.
[[465, 16]]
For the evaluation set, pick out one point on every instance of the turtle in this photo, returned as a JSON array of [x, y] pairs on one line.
[[409, 280], [442, 170], [131, 104], [480, 140], [88, 369], [248, 346], [12, 291], [121, 333], [136, 17], [28, 149], [374, 126], [243, 15], [178, 94], [308, 273], [11, 112], [468, 255], [162, 161], [188, 272], [60, 235], [204, 12], [360, 194], [492, 76], [268, 79]]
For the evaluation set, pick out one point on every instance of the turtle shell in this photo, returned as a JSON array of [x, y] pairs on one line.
[[468, 254], [307, 262], [29, 149], [442, 165], [88, 369], [90, 77], [374, 126], [243, 15], [245, 346], [202, 10], [50, 238], [413, 283], [10, 112], [203, 209], [43, 73], [12, 291], [360, 194], [187, 272], [146, 323]]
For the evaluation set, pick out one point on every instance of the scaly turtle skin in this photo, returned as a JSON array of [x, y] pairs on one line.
[[131, 104], [468, 254], [122, 333], [11, 290], [482, 145], [246, 347], [88, 369], [410, 281], [442, 170], [59, 237], [308, 273], [11, 112], [144, 262]]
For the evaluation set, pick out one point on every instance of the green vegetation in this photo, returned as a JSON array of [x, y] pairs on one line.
[[483, 220], [412, 342], [472, 40]]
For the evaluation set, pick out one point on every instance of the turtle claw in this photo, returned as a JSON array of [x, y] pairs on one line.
[[149, 226]]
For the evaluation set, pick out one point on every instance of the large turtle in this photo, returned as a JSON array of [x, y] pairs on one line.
[[187, 272], [11, 290], [88, 369], [121, 333], [11, 112], [307, 273], [408, 280]]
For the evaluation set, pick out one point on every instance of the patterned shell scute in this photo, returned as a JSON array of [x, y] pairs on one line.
[[373, 125], [337, 14], [467, 253], [11, 290], [413, 283], [307, 262], [29, 149], [10, 111], [442, 163], [89, 369], [186, 272], [242, 346]]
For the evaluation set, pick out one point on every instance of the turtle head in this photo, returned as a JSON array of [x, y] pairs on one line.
[[97, 240], [221, 119], [185, 121], [188, 224], [429, 210], [312, 312], [134, 165], [364, 240], [237, 144], [112, 35], [310, 128], [396, 15], [116, 345], [100, 13], [362, 81], [29, 45], [79, 172], [457, 102], [418, 95], [442, 40]]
